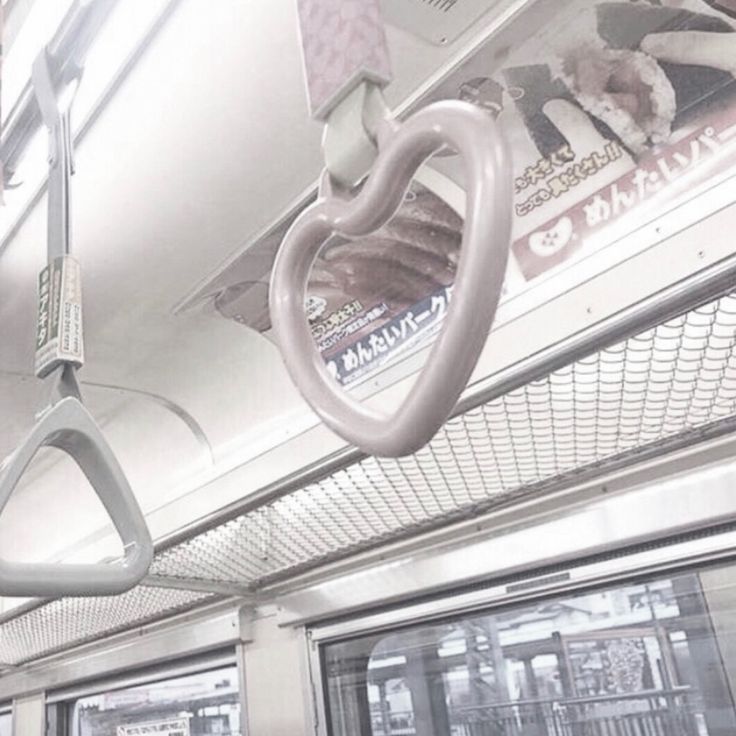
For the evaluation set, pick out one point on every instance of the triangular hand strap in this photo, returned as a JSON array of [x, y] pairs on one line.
[[473, 135], [68, 426]]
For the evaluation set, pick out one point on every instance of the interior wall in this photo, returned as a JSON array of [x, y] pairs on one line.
[[180, 226], [276, 680], [162, 197], [29, 715]]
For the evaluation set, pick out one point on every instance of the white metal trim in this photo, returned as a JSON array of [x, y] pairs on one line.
[[592, 521], [29, 715], [153, 673], [519, 513], [316, 682], [242, 689], [668, 557]]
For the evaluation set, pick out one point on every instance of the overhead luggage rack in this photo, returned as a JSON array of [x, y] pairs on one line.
[[51, 626], [658, 376], [669, 385]]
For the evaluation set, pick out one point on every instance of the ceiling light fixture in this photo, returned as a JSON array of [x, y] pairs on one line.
[[108, 36]]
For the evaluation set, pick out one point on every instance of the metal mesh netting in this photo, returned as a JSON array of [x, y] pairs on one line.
[[674, 379], [61, 623]]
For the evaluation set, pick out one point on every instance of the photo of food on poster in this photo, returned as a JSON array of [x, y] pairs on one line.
[[613, 111], [369, 299]]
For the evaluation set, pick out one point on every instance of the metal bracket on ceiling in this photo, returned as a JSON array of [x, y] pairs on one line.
[[353, 133], [69, 46], [55, 103], [199, 585]]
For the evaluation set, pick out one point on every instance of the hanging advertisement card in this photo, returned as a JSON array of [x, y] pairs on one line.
[[615, 113]]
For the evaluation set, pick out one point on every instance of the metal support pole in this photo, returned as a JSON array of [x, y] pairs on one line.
[[55, 103], [55, 106]]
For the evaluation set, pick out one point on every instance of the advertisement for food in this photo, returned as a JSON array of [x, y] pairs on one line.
[[370, 299], [614, 112]]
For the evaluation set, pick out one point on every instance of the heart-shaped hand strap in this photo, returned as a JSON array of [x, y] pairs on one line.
[[68, 426], [473, 135]]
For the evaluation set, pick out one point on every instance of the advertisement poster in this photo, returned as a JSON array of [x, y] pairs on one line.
[[168, 727], [614, 111], [370, 299]]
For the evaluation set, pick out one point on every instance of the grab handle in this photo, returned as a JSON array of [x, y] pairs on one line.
[[68, 426], [65, 423], [473, 135]]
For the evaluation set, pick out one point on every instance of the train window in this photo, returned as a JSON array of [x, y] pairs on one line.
[[655, 657], [194, 705], [6, 723]]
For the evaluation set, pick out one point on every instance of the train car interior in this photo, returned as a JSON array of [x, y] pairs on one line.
[[368, 368]]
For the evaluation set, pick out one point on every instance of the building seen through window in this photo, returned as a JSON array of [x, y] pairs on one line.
[[203, 704], [652, 658]]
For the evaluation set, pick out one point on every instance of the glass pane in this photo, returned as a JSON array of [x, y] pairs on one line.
[[654, 658], [6, 724], [195, 705]]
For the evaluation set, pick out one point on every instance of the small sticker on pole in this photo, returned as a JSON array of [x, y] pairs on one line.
[[59, 336]]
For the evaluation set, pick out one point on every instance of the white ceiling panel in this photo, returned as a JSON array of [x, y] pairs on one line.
[[205, 143]]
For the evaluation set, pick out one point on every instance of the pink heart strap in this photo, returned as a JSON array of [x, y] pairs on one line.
[[474, 136]]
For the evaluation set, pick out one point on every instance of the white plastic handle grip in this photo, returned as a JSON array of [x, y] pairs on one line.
[[68, 426], [474, 136]]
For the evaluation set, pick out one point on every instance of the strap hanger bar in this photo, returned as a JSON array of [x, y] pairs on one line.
[[69, 47], [352, 133], [55, 104], [343, 90]]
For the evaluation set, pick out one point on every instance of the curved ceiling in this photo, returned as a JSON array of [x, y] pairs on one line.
[[205, 143]]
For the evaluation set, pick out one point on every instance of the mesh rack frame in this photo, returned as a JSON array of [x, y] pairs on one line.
[[670, 385], [657, 376]]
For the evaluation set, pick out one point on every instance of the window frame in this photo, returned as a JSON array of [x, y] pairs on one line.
[[6, 709], [697, 551], [60, 703], [145, 675]]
